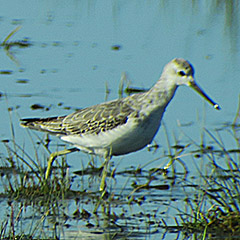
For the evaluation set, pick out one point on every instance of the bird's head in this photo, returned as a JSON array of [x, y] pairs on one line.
[[181, 72]]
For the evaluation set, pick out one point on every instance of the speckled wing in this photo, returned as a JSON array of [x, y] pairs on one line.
[[98, 118], [95, 119], [52, 125]]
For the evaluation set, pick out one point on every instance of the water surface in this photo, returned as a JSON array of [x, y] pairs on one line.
[[72, 57]]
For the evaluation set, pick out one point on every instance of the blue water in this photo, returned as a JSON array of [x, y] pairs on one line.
[[71, 60]]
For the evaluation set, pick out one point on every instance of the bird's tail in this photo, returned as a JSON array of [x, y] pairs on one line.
[[52, 125]]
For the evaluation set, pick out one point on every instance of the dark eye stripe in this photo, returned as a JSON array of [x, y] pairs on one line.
[[181, 73]]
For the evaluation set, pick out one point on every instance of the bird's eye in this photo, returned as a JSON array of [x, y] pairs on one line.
[[182, 73]]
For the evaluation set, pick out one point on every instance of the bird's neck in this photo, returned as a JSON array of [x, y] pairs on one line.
[[162, 92]]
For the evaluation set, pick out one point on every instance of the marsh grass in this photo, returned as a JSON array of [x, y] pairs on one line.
[[211, 206], [24, 187], [8, 45], [214, 208], [24, 177]]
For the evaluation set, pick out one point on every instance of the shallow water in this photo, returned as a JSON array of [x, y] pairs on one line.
[[71, 56]]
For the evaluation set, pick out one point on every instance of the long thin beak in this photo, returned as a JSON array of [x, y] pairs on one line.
[[204, 95]]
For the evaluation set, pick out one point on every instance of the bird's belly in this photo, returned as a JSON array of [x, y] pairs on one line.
[[130, 137], [135, 138]]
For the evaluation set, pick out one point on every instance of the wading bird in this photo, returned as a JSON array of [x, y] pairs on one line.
[[119, 126]]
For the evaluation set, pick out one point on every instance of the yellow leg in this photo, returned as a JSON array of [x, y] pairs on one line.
[[104, 174], [53, 156]]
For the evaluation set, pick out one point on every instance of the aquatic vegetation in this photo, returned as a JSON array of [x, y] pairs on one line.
[[211, 199], [213, 206], [8, 45], [20, 43], [140, 201]]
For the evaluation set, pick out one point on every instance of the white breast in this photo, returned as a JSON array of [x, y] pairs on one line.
[[130, 137]]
